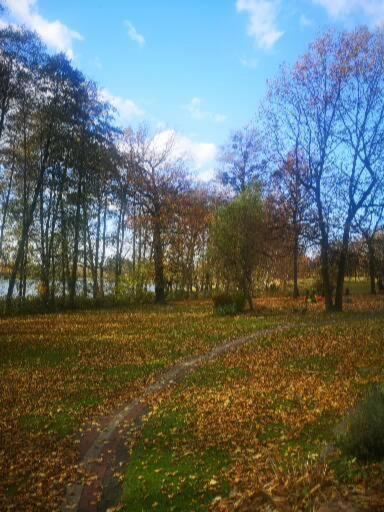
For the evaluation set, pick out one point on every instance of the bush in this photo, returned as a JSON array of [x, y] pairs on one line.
[[229, 304], [272, 288], [178, 295], [364, 437], [35, 305]]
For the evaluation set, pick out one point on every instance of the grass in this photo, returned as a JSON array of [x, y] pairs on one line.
[[276, 405], [170, 472], [215, 375], [118, 376], [61, 424], [61, 372], [363, 433], [313, 362]]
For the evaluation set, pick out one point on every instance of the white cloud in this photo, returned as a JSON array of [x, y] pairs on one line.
[[202, 154], [262, 21], [206, 175], [195, 108], [127, 109], [54, 33], [134, 34], [373, 9]]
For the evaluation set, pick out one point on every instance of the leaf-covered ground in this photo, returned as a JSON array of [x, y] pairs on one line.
[[61, 372], [241, 426], [265, 418]]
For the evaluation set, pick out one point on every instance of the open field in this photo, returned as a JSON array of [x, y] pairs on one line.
[[244, 423]]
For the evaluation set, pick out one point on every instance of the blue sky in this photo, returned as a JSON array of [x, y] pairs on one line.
[[197, 67]]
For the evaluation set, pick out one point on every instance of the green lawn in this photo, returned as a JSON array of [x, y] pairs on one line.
[[266, 414], [61, 373]]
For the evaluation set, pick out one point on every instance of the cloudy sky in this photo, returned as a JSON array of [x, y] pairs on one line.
[[197, 67]]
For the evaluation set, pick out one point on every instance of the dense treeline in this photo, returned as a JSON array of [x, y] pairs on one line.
[[82, 202], [89, 209]]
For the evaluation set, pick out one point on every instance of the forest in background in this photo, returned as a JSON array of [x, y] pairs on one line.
[[90, 210]]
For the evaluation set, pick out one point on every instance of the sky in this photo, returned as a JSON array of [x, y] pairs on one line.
[[197, 68]]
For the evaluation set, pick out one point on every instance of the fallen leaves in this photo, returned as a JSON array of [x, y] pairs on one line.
[[270, 405], [62, 373], [276, 417]]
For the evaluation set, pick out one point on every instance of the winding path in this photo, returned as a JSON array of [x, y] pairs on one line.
[[104, 453]]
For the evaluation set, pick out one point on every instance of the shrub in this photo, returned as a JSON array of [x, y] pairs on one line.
[[272, 288], [178, 295], [229, 304], [363, 437]]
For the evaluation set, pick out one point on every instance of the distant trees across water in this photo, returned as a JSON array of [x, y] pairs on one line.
[[89, 208]]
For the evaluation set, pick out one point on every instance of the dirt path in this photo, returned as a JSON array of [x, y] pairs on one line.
[[104, 453]]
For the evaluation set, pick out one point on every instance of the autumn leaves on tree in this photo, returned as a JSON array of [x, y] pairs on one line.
[[89, 209]]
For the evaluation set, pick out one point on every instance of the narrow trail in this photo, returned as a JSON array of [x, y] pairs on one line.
[[104, 452]]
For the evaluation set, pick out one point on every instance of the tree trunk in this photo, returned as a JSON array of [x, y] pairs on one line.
[[85, 255], [103, 248], [72, 291], [371, 264], [158, 260], [342, 267], [5, 211], [296, 264], [22, 243], [324, 253], [65, 275]]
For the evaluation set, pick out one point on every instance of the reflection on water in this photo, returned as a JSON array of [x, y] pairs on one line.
[[33, 285], [31, 289]]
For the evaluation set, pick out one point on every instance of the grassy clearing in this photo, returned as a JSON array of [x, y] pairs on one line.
[[276, 405], [213, 375], [60, 372]]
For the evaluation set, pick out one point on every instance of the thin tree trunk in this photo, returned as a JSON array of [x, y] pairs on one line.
[[85, 257], [158, 260], [22, 243], [72, 291], [324, 254], [371, 264], [341, 268], [103, 248], [5, 212], [296, 261]]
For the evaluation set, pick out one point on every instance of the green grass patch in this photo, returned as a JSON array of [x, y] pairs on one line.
[[313, 437], [61, 424], [272, 431], [11, 490], [170, 472], [346, 469], [320, 430], [119, 375], [81, 401], [36, 356], [215, 375], [286, 405], [314, 363]]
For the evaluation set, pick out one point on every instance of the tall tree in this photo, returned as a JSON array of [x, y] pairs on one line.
[[335, 90], [242, 159], [237, 240], [159, 177]]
